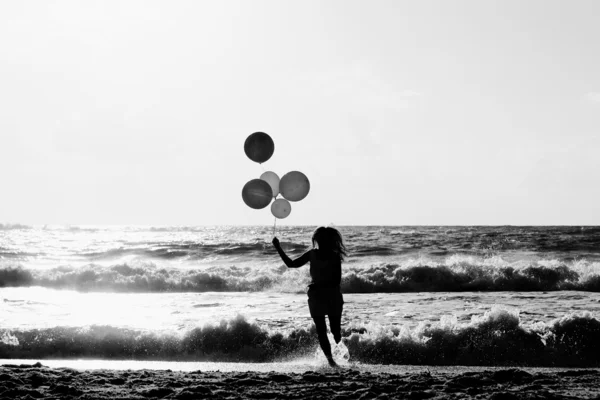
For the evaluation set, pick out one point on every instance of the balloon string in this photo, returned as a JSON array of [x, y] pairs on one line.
[[274, 225]]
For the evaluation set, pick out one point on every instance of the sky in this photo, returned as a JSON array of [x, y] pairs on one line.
[[398, 112]]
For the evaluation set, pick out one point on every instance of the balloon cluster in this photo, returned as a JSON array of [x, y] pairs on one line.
[[258, 193]]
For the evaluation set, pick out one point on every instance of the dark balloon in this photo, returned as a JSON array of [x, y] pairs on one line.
[[257, 194], [259, 147], [294, 186]]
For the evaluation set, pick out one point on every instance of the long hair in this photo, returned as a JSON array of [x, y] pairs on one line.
[[330, 241]]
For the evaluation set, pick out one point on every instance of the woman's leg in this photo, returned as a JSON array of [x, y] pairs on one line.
[[323, 341], [335, 324]]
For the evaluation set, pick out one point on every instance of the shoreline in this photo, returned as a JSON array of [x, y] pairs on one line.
[[293, 380], [299, 365]]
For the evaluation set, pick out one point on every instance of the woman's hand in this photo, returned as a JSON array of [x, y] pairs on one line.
[[276, 242]]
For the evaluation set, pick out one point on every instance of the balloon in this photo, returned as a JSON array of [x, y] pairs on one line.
[[273, 180], [259, 147], [257, 194], [281, 208], [294, 186]]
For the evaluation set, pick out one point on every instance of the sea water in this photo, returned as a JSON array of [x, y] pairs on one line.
[[413, 295]]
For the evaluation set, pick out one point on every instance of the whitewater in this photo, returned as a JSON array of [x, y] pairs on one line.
[[494, 296]]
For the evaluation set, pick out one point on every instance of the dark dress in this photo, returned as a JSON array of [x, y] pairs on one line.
[[324, 292]]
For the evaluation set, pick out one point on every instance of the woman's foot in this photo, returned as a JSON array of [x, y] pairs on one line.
[[331, 362]]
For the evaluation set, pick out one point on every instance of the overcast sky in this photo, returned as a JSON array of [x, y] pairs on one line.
[[399, 112]]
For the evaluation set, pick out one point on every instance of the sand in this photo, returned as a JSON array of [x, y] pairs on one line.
[[33, 381]]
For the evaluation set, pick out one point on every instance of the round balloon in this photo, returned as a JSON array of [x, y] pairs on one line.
[[257, 194], [273, 180], [281, 208], [294, 186], [259, 147]]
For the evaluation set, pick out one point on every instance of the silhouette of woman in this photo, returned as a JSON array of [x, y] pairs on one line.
[[324, 292]]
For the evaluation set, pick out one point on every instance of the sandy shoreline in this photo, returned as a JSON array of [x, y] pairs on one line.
[[27, 381]]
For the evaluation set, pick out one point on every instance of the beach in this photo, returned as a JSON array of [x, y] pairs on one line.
[[299, 200], [211, 312], [36, 380]]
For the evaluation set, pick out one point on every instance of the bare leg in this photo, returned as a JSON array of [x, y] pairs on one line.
[[323, 341], [335, 324]]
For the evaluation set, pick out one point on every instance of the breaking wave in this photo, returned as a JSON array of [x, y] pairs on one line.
[[463, 274], [454, 274], [496, 338]]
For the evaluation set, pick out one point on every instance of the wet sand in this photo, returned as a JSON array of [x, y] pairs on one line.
[[34, 381]]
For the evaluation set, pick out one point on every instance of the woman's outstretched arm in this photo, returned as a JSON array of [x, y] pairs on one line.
[[297, 263]]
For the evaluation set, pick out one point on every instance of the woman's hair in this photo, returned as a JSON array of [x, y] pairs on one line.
[[330, 240]]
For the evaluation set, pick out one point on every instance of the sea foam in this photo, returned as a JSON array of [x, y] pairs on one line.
[[497, 338]]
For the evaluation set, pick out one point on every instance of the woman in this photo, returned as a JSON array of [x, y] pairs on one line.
[[324, 292]]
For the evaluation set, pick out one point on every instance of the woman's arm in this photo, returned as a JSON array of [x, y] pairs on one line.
[[297, 263]]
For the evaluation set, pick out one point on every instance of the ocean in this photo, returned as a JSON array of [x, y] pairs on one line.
[[414, 295]]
